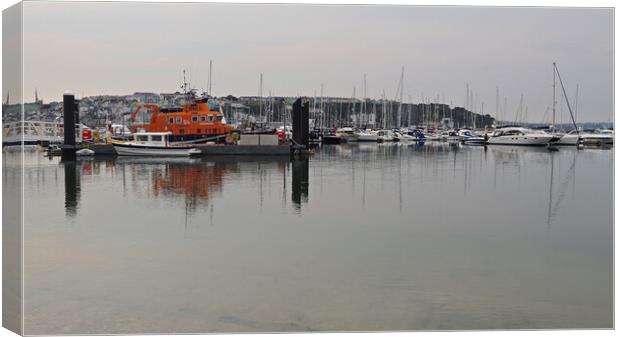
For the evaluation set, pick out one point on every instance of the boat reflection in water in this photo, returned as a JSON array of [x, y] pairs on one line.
[[375, 236], [197, 179]]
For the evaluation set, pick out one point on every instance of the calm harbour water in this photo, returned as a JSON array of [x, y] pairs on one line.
[[358, 237]]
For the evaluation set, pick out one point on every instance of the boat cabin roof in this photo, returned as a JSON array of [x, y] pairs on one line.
[[152, 133]]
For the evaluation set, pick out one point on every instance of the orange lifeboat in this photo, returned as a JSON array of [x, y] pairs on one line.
[[193, 122]]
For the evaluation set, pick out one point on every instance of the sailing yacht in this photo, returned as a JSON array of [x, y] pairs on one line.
[[570, 138]]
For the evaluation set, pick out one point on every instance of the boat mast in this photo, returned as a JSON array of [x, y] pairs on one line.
[[321, 118], [210, 71], [553, 118], [384, 110], [357, 120], [364, 105], [260, 97], [466, 96], [505, 112], [576, 100], [565, 97], [314, 109], [400, 97], [409, 111], [497, 103]]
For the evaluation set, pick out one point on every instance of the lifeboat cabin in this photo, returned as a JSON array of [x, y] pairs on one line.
[[193, 122]]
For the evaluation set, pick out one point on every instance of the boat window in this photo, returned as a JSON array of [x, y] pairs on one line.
[[171, 120], [203, 118], [512, 133], [194, 118], [156, 138], [219, 119], [142, 138], [210, 118], [179, 120]]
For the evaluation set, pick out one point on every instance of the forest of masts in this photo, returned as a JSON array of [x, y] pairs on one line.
[[383, 113]]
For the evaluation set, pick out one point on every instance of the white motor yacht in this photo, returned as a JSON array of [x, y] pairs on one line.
[[367, 136], [403, 137], [520, 136], [597, 137], [385, 136], [347, 134], [153, 144]]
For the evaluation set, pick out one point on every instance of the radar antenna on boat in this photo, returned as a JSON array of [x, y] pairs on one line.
[[189, 92]]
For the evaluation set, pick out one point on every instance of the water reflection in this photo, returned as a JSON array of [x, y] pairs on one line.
[[197, 180], [381, 235], [299, 192], [72, 187], [566, 176]]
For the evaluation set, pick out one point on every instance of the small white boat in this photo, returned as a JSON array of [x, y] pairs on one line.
[[597, 137], [85, 153], [450, 136], [464, 133], [469, 138], [347, 134], [385, 136], [521, 136], [475, 140], [403, 137], [367, 136], [153, 144]]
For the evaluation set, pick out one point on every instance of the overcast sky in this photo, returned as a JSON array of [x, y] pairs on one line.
[[121, 48]]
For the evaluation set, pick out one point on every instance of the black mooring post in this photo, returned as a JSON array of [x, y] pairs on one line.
[[77, 112], [68, 147], [301, 115]]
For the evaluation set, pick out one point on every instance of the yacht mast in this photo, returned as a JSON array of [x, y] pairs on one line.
[[321, 108], [357, 120], [497, 103], [565, 97], [466, 96], [210, 71], [384, 110], [553, 118], [260, 97], [400, 96], [576, 100], [314, 109], [364, 105]]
